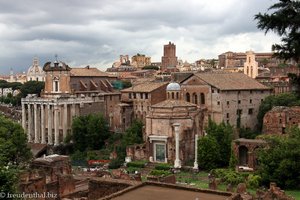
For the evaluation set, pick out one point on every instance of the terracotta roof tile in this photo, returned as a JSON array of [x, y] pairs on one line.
[[145, 87], [231, 81], [88, 72]]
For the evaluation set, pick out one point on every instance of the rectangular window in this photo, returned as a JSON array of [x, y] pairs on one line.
[[212, 91], [218, 102], [250, 91], [56, 86], [142, 95], [250, 101], [227, 102], [239, 101], [134, 95], [250, 111], [239, 111], [227, 115], [146, 95]]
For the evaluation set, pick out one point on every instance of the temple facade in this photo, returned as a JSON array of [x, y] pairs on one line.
[[68, 92]]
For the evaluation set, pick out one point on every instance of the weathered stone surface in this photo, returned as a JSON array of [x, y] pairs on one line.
[[241, 188], [277, 120], [212, 183], [229, 188]]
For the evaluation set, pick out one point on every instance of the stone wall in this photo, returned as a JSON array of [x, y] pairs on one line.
[[99, 189], [137, 152], [280, 118]]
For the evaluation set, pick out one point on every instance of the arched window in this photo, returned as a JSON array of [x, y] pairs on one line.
[[177, 95], [56, 84], [202, 98], [168, 95], [195, 100], [187, 97], [173, 95]]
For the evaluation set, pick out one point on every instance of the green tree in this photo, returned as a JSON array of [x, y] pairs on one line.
[[134, 134], [13, 143], [14, 154], [31, 87], [285, 21], [208, 153], [223, 134], [15, 86], [285, 99], [89, 132], [280, 162], [3, 84], [8, 179]]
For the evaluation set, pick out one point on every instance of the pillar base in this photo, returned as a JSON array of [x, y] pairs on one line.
[[151, 159], [196, 167], [177, 164]]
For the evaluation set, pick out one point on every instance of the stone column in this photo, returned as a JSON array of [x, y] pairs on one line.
[[36, 124], [50, 122], [196, 153], [56, 126], [177, 163], [43, 124], [23, 116], [29, 132], [65, 120], [73, 111]]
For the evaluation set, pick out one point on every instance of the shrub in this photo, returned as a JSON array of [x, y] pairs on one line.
[[163, 166], [229, 176], [132, 170], [253, 181], [156, 172], [137, 164], [115, 164]]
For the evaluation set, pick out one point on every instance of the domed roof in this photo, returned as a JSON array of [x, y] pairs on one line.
[[35, 68], [173, 87]]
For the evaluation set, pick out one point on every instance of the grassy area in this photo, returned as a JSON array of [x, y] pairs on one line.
[[200, 180], [293, 193]]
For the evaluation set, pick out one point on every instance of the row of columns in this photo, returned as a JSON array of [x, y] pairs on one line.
[[35, 122]]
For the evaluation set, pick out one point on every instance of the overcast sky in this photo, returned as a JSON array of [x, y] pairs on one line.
[[96, 32]]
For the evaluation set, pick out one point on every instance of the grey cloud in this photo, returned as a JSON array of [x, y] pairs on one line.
[[97, 31]]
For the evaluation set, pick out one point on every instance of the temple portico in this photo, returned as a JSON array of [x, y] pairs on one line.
[[48, 121]]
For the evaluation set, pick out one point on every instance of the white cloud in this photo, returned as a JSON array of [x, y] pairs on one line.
[[96, 32]]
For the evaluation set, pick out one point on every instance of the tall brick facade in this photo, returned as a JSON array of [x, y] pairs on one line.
[[169, 60]]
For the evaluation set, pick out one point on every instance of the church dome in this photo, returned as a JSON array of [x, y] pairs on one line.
[[35, 68], [173, 87]]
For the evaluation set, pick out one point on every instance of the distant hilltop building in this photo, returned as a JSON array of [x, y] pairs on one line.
[[169, 60], [237, 59], [140, 61], [35, 72], [18, 77]]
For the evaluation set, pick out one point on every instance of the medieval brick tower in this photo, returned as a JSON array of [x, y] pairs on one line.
[[169, 60]]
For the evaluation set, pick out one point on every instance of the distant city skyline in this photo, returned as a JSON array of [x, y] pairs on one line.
[[96, 32]]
